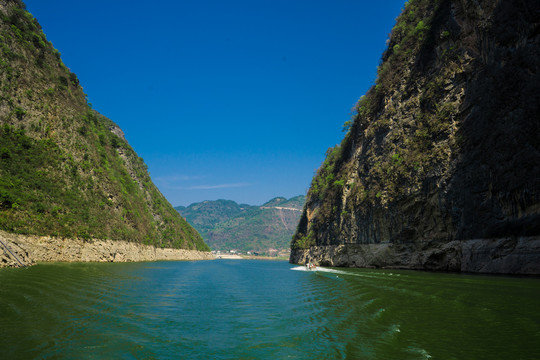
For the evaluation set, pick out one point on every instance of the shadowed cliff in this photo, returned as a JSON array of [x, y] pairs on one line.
[[440, 168]]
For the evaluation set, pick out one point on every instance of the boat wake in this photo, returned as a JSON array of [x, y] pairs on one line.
[[320, 269], [300, 268], [341, 272]]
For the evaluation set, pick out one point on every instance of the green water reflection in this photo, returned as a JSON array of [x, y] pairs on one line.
[[240, 309]]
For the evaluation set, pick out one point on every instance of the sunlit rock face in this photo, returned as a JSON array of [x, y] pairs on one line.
[[440, 168]]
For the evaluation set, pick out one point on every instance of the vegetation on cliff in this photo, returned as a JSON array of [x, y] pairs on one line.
[[446, 144], [65, 169], [226, 225]]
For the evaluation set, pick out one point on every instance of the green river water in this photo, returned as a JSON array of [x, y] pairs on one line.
[[243, 309]]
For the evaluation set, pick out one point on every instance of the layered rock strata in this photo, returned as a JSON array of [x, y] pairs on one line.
[[25, 250]]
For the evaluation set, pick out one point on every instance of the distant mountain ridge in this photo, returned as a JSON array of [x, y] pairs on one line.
[[226, 225], [205, 215]]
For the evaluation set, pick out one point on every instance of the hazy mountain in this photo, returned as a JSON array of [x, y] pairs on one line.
[[226, 225]]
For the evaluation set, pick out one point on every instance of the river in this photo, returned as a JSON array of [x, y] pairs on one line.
[[248, 309]]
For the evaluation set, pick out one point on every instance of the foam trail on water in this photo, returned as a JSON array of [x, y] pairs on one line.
[[333, 271], [320, 269]]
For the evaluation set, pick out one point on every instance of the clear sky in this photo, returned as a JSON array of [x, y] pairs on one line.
[[223, 99]]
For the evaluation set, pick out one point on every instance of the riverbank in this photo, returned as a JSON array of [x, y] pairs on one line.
[[229, 257], [24, 250], [520, 256], [260, 257]]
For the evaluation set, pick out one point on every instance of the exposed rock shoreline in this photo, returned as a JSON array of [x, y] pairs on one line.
[[499, 256], [29, 249]]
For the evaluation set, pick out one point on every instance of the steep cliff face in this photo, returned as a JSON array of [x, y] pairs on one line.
[[66, 170], [443, 155]]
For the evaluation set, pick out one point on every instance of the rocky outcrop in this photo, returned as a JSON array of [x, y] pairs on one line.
[[502, 255], [24, 250], [441, 166]]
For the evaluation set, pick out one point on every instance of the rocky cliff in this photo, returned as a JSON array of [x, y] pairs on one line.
[[440, 167], [66, 170]]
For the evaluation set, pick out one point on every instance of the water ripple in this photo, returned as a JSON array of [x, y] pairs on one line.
[[261, 310]]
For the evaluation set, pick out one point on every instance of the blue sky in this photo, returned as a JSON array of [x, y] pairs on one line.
[[223, 99]]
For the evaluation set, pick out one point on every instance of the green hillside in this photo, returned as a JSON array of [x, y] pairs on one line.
[[226, 225], [205, 215], [65, 169]]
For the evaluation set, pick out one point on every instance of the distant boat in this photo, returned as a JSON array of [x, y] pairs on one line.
[[311, 267]]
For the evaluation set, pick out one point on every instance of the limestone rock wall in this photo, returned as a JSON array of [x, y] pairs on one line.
[[443, 155], [29, 249], [497, 256]]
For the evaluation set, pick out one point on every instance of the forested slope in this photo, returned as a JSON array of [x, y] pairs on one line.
[[65, 169]]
